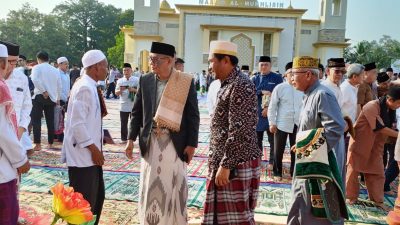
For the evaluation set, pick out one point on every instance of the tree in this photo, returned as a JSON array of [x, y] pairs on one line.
[[91, 25], [383, 52], [116, 53]]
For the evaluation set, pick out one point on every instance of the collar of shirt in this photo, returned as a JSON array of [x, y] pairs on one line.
[[89, 79], [231, 77], [312, 88]]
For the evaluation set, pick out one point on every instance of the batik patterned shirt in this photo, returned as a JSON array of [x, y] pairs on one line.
[[233, 126]]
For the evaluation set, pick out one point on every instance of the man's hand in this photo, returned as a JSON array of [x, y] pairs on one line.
[[266, 93], [132, 89], [264, 112], [24, 168], [222, 176], [21, 130], [129, 149], [45, 95], [97, 156], [189, 151], [293, 148], [273, 129]]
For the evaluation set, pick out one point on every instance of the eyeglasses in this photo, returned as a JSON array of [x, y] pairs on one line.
[[156, 59], [13, 62]]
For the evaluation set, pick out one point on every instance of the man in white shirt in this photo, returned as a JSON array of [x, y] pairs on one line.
[[335, 70], [18, 85], [212, 96], [349, 89], [13, 161], [111, 82], [63, 66], [82, 146], [283, 117], [126, 89], [46, 95]]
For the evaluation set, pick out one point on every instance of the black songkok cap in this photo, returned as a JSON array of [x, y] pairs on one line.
[[265, 59], [13, 49], [382, 77], [370, 66], [127, 65], [162, 48], [22, 57], [389, 70], [179, 60], [394, 92], [289, 65], [245, 67], [336, 62]]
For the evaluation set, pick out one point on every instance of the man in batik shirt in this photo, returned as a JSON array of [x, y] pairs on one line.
[[234, 158]]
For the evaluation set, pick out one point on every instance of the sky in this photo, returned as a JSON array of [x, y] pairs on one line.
[[366, 19]]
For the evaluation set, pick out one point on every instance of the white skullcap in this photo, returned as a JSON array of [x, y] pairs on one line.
[[3, 51], [62, 60], [92, 57]]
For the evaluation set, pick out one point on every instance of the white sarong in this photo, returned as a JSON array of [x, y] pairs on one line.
[[163, 184]]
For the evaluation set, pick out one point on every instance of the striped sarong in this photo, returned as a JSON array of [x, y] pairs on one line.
[[236, 201], [9, 208]]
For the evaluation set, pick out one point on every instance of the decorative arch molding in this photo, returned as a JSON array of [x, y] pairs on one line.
[[245, 49]]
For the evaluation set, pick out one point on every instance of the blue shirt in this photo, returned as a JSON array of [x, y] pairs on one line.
[[264, 83]]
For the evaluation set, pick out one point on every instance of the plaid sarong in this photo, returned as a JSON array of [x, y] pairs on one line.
[[9, 208], [237, 200]]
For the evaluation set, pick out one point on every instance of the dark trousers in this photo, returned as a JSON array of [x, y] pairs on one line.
[[260, 137], [40, 104], [392, 169], [280, 138], [111, 89], [89, 182], [9, 208], [124, 116], [60, 137]]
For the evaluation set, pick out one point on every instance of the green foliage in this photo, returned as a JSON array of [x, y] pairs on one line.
[[116, 53], [73, 27], [383, 52]]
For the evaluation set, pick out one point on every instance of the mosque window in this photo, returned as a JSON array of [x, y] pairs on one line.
[[267, 44], [336, 5], [213, 35], [304, 31]]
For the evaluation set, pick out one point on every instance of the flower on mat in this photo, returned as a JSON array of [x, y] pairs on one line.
[[70, 206]]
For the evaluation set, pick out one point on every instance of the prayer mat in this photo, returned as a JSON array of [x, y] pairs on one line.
[[35, 208]]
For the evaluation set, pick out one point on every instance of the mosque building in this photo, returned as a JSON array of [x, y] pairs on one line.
[[258, 28]]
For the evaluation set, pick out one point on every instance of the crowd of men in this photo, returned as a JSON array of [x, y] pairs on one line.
[[340, 126]]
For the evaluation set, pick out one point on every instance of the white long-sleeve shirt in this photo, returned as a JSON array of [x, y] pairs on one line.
[[349, 100], [65, 85], [11, 154], [212, 96], [46, 78], [18, 85], [284, 107], [335, 89], [83, 124]]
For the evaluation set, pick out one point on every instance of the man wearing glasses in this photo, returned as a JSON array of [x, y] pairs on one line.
[[165, 119], [320, 110], [18, 84], [335, 70]]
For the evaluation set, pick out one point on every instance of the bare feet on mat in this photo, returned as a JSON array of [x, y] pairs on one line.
[[37, 147], [50, 146], [30, 152], [351, 201], [270, 167], [382, 206], [391, 193]]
